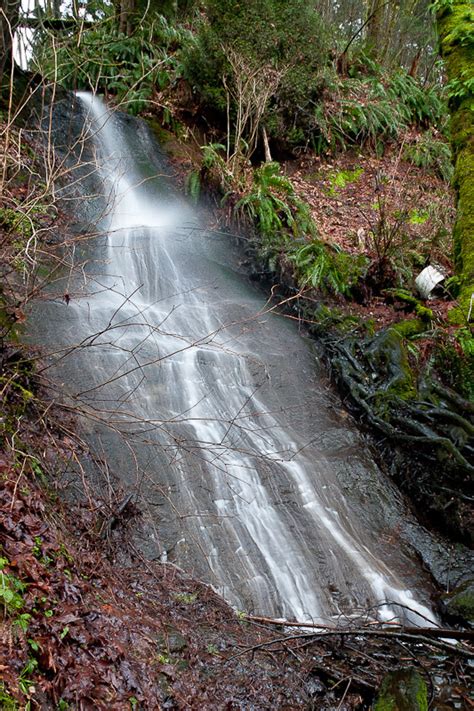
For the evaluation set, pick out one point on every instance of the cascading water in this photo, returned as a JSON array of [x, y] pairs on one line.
[[248, 471]]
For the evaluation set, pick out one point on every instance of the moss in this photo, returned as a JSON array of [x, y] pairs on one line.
[[402, 690], [454, 362], [409, 327], [341, 179], [329, 319], [459, 603], [457, 48], [425, 314], [463, 235], [402, 295], [388, 358]]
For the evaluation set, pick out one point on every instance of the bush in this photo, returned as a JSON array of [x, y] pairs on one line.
[[430, 151], [327, 267], [272, 205], [286, 227], [373, 109], [267, 32], [106, 60]]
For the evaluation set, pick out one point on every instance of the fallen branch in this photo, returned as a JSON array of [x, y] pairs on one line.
[[426, 635], [441, 632]]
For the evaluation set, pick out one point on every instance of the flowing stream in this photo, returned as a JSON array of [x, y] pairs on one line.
[[212, 410]]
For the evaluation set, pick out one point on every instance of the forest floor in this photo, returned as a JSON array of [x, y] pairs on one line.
[[80, 630]]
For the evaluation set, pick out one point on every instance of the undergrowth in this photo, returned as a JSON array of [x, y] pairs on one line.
[[133, 69], [371, 110], [430, 152], [327, 267]]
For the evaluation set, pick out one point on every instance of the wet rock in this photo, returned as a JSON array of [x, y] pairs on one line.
[[459, 604], [402, 690]]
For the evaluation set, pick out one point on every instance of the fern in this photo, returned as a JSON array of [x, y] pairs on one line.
[[104, 59], [273, 205], [375, 109], [326, 268], [193, 186], [211, 155], [432, 153]]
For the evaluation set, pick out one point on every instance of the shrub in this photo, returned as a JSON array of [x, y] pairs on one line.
[[273, 206], [106, 60], [429, 151], [373, 109], [283, 35], [327, 267]]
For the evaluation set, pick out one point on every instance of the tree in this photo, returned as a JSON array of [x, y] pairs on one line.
[[375, 26], [9, 17], [455, 19]]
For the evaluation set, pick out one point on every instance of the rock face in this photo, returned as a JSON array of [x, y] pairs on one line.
[[459, 604], [402, 690]]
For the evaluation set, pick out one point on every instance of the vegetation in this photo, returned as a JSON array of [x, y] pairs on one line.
[[134, 68], [456, 31]]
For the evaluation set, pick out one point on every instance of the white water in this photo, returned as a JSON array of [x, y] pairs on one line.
[[273, 495]]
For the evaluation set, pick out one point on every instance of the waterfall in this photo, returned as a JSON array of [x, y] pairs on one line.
[[268, 490]]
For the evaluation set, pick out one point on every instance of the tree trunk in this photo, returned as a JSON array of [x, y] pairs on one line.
[[9, 16], [126, 17], [375, 12], [455, 27]]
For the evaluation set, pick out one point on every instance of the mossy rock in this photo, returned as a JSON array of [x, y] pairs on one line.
[[172, 641], [409, 327], [388, 359], [402, 690], [459, 603]]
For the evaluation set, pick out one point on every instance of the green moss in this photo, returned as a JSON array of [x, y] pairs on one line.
[[460, 602], [425, 314], [454, 361], [341, 179], [409, 327], [388, 359], [402, 295], [455, 27], [328, 318], [402, 690], [463, 234]]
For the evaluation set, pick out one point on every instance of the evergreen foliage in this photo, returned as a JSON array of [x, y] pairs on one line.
[[370, 109], [428, 151], [273, 205], [104, 59], [327, 267], [267, 32]]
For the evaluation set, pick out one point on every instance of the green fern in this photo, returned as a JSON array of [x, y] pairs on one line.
[[130, 67], [432, 153], [215, 168], [273, 205], [375, 109], [326, 267], [193, 186], [211, 155]]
